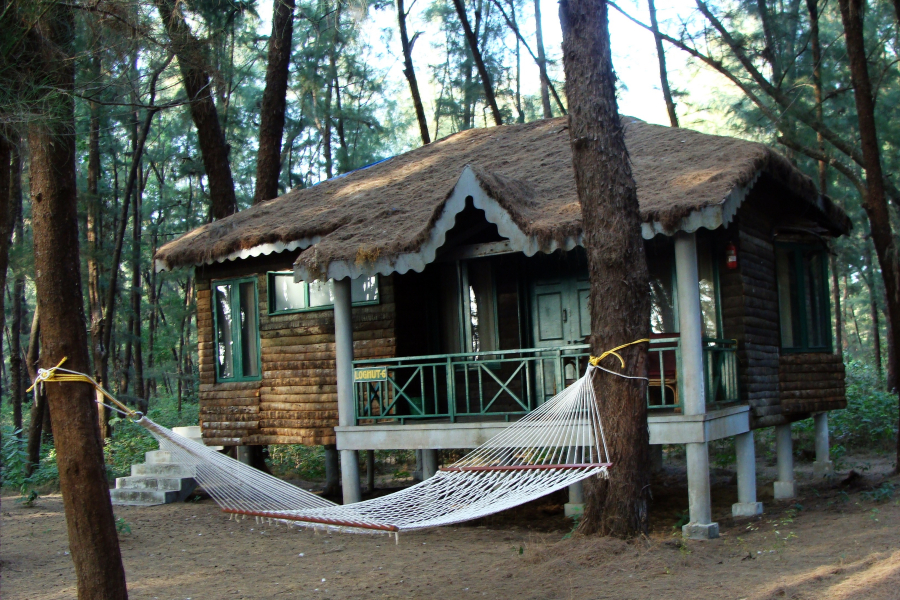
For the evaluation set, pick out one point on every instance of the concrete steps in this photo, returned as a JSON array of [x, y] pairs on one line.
[[157, 481]]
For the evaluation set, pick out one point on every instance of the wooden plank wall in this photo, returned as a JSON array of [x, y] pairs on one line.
[[812, 382], [295, 401]]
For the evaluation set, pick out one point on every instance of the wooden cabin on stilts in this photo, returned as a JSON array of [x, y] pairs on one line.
[[428, 300]]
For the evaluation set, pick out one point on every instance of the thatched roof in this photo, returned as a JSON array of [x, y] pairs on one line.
[[369, 219]]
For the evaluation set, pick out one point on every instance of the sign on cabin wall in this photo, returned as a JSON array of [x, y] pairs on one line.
[[369, 374]]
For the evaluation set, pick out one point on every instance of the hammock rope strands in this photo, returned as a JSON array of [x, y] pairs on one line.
[[556, 445]]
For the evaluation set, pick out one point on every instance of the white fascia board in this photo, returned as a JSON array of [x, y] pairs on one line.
[[260, 250], [710, 217]]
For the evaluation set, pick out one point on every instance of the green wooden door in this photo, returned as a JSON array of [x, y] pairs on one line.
[[560, 317]]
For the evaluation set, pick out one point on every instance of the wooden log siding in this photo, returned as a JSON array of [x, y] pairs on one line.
[[295, 401], [779, 388], [811, 382], [750, 314]]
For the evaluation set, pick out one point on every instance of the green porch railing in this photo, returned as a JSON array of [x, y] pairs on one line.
[[509, 383]]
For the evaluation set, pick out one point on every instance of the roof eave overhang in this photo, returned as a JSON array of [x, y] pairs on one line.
[[709, 217]]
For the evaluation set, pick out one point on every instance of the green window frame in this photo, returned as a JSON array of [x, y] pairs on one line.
[[304, 296], [804, 308], [236, 343]]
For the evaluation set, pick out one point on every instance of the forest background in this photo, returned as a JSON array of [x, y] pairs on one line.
[[369, 80]]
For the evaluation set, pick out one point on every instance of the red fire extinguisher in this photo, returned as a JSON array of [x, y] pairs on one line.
[[731, 256]]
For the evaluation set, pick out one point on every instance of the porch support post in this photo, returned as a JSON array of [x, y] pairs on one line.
[[656, 458], [785, 486], [746, 506], [242, 453], [343, 349], [370, 470], [823, 465], [429, 463], [701, 525], [332, 469], [575, 506]]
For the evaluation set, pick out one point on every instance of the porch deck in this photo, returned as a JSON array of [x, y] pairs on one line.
[[666, 428]]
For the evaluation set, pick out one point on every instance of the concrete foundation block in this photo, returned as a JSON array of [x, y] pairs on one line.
[[157, 457], [785, 490], [574, 511], [823, 468], [700, 531], [162, 470], [746, 509], [126, 497]]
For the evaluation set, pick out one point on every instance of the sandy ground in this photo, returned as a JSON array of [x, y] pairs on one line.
[[833, 542]]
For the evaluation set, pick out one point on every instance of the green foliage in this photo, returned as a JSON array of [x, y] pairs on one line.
[[883, 493], [28, 498], [294, 460], [15, 460], [869, 421], [122, 526]]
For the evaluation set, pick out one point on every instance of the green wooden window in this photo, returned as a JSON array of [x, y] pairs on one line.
[[803, 307], [236, 315], [288, 296]]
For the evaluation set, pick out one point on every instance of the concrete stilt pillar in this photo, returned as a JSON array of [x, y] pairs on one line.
[[693, 389], [350, 476], [343, 349], [785, 486], [370, 470], [429, 463], [417, 474], [823, 465], [746, 506], [701, 525], [242, 453], [575, 506], [332, 469], [656, 458]]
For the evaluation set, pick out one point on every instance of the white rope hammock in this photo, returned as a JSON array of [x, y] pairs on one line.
[[556, 445]]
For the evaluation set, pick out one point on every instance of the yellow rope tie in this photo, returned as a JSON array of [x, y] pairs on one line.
[[59, 375], [595, 360]]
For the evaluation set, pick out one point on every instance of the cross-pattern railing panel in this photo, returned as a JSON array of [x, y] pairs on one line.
[[510, 383]]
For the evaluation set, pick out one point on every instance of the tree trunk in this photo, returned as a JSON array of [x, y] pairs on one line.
[[6, 220], [812, 7], [472, 40], [542, 61], [17, 390], [871, 284], [274, 102], [195, 73], [93, 540], [620, 304], [120, 226], [836, 301], [39, 407], [410, 73], [15, 350], [136, 288], [343, 150], [890, 379], [663, 72], [875, 203], [94, 246]]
